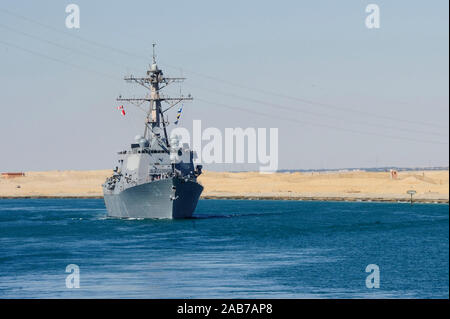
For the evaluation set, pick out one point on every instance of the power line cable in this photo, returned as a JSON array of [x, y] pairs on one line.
[[76, 66], [320, 124], [224, 105], [322, 115], [307, 101], [62, 46]]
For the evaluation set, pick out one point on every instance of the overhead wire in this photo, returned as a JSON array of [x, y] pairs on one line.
[[213, 78], [234, 84]]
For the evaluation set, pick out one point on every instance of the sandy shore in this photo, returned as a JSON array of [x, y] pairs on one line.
[[431, 186]]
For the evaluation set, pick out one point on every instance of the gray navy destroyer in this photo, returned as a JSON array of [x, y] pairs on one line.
[[156, 177]]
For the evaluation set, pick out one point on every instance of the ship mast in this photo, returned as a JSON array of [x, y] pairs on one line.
[[154, 81]]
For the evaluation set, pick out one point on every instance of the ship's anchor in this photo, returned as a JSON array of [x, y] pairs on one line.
[[173, 197]]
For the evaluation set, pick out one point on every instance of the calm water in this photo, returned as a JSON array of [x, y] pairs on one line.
[[232, 249]]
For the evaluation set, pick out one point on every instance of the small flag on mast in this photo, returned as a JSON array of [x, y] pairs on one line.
[[121, 109], [178, 115]]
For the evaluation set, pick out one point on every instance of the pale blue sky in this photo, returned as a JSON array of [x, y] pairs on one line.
[[58, 105]]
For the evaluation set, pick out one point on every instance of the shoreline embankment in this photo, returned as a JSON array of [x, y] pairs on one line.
[[352, 186]]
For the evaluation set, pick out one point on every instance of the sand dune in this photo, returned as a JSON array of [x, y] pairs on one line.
[[430, 185]]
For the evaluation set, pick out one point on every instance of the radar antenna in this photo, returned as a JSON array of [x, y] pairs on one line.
[[154, 55]]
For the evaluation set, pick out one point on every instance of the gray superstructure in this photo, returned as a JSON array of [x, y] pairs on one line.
[[156, 177]]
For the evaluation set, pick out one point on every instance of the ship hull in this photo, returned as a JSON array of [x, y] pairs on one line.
[[170, 198]]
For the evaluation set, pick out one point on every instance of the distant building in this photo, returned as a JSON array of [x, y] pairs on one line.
[[394, 174], [12, 175]]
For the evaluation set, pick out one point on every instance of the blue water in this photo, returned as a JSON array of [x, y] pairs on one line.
[[232, 249]]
